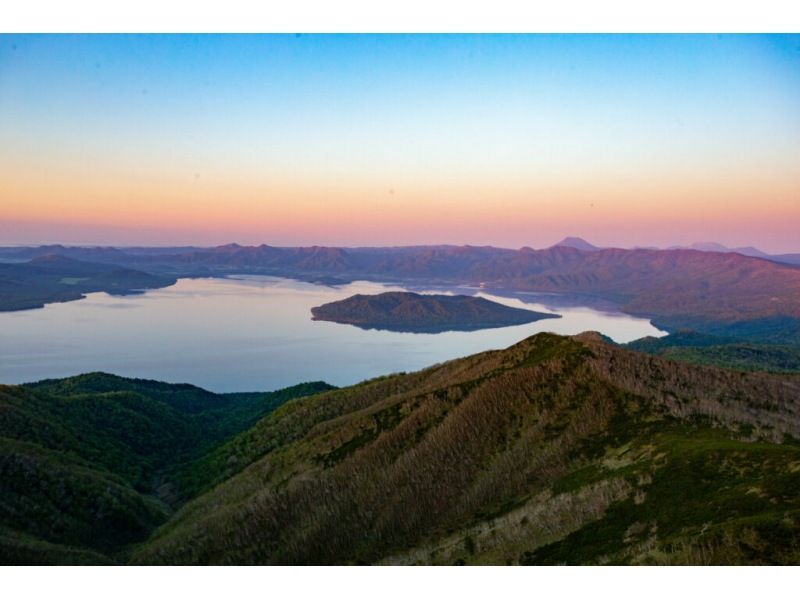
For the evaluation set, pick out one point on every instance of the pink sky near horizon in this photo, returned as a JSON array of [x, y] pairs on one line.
[[53, 203], [475, 229], [508, 141]]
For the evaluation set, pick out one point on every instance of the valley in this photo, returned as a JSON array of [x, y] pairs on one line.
[[94, 463]]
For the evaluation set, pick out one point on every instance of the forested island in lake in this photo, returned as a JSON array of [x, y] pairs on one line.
[[412, 312]]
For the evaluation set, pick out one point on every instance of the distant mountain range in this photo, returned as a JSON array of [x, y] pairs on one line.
[[711, 246], [555, 450], [721, 293], [786, 258], [264, 253], [412, 312]]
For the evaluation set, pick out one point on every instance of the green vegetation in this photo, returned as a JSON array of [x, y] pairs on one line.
[[727, 352], [700, 497], [556, 450], [775, 330], [513, 456], [92, 464]]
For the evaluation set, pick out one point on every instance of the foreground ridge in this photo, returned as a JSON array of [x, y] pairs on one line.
[[555, 450]]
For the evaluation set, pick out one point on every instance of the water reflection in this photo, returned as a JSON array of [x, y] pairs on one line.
[[256, 333]]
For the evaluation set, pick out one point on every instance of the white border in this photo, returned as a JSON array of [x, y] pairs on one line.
[[400, 16], [398, 582], [422, 16]]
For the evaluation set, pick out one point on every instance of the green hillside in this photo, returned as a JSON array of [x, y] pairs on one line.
[[90, 464], [721, 351], [556, 450]]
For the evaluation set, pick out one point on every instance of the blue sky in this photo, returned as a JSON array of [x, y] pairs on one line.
[[490, 122]]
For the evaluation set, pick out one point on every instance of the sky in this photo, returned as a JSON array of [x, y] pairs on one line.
[[358, 140]]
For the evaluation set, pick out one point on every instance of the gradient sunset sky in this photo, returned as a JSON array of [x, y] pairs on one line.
[[395, 140]]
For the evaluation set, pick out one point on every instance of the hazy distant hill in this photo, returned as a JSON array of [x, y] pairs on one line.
[[88, 254], [786, 258], [411, 312], [718, 247], [576, 243], [54, 278]]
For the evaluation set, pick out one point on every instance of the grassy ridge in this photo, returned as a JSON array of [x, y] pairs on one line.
[[512, 456]]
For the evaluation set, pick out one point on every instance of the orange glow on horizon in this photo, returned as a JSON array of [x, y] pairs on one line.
[[365, 212]]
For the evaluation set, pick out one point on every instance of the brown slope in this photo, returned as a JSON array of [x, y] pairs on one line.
[[723, 287], [426, 461]]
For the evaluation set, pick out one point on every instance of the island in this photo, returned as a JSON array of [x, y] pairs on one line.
[[412, 312]]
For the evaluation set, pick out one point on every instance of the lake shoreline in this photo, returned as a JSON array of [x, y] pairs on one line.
[[236, 334]]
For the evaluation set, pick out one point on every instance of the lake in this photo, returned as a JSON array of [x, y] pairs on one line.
[[256, 333]]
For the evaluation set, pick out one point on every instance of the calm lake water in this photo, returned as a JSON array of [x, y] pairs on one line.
[[254, 333]]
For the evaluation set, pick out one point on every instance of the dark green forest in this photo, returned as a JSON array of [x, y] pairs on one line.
[[94, 463]]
